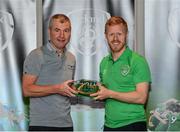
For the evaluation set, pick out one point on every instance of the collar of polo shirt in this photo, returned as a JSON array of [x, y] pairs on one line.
[[58, 51]]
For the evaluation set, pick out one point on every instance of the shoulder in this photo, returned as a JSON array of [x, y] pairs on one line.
[[105, 60], [139, 61], [70, 55], [36, 54], [136, 57]]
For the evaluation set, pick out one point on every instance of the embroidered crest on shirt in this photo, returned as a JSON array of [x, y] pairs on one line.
[[125, 69]]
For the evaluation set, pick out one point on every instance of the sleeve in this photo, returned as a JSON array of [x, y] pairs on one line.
[[101, 69], [32, 64], [100, 72], [74, 68], [142, 71]]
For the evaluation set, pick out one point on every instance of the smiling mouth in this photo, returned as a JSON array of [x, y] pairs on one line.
[[115, 43], [60, 40]]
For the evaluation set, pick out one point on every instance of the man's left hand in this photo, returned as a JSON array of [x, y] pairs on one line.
[[102, 94]]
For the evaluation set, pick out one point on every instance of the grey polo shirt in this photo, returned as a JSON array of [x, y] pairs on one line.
[[50, 68]]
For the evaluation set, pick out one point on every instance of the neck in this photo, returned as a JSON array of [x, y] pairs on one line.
[[57, 49], [116, 55]]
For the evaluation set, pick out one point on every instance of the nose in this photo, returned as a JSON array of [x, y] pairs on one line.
[[61, 34], [115, 37]]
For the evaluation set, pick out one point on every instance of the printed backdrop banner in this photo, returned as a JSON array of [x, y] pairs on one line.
[[17, 38], [88, 44], [162, 47]]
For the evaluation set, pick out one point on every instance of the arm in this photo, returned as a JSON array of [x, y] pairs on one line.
[[139, 96], [30, 89]]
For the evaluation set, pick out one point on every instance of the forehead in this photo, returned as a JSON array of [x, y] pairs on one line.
[[116, 28], [56, 23]]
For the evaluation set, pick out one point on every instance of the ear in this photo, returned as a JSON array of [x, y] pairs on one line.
[[49, 33], [127, 35], [105, 35]]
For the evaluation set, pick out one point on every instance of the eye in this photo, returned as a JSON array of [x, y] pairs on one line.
[[56, 30], [119, 34], [111, 34], [67, 30]]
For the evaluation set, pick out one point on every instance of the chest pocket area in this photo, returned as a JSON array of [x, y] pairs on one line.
[[69, 69], [69, 66], [124, 75], [50, 66]]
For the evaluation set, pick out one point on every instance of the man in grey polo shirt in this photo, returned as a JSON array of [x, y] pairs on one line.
[[46, 74]]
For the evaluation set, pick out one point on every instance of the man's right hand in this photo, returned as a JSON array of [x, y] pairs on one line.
[[66, 90], [30, 89]]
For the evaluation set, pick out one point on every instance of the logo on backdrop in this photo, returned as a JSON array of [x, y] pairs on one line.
[[88, 30], [10, 115], [174, 25], [166, 117], [6, 29]]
